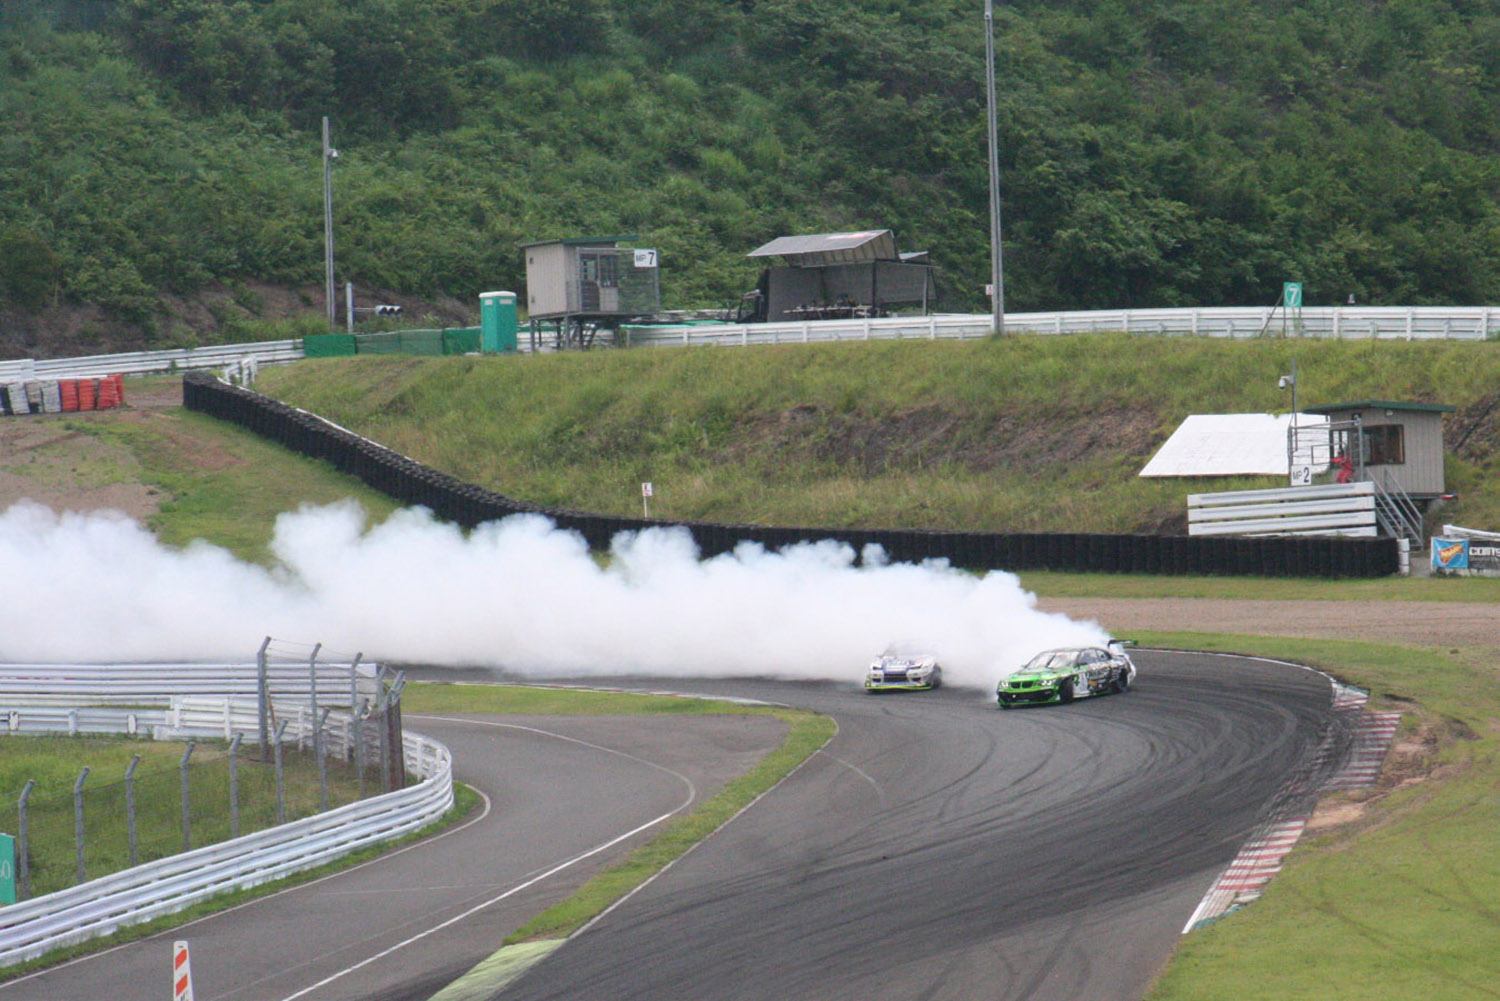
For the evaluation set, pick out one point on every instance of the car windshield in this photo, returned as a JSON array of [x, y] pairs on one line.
[[907, 651], [1051, 660]]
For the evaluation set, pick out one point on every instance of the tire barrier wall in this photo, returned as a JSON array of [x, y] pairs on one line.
[[37, 396], [467, 505]]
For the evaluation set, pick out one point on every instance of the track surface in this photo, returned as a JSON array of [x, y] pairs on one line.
[[937, 848]]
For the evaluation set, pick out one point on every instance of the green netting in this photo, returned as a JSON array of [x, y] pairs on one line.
[[460, 340], [388, 343], [328, 345]]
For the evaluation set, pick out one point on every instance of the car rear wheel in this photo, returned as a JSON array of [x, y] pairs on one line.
[[1122, 680]]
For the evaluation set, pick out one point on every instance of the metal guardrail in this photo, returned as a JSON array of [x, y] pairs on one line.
[[151, 362], [1466, 323], [1463, 323], [1328, 509], [99, 907], [72, 684]]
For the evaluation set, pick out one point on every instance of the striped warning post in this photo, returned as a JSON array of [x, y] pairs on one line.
[[182, 973], [1372, 739]]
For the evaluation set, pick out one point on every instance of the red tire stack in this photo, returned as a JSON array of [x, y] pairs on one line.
[[109, 394], [68, 391], [86, 394]]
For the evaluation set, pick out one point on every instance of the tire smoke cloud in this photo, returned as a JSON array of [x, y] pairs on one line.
[[517, 594]]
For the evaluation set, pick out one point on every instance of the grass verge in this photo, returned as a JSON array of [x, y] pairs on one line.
[[1392, 892], [808, 732]]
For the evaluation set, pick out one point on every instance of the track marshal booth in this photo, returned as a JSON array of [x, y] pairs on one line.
[[1397, 445]]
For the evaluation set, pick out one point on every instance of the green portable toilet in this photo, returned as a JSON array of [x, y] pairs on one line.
[[497, 321]]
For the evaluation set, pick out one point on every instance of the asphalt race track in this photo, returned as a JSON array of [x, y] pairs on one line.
[[937, 848]]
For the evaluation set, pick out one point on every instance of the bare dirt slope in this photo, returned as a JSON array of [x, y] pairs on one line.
[[46, 458]]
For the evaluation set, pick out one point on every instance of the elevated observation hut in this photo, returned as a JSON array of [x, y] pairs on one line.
[[829, 276], [1397, 445], [578, 286]]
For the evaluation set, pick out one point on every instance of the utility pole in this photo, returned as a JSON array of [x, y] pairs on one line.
[[329, 155], [997, 270]]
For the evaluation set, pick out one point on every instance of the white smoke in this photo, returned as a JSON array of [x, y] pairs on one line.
[[517, 593]]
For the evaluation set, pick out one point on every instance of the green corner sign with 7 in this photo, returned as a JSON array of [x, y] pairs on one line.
[[7, 869], [1291, 294]]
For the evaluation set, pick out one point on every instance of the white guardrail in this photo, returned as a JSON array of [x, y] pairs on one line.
[[1412, 323], [33, 927], [138, 684], [1465, 323], [1328, 509], [151, 362]]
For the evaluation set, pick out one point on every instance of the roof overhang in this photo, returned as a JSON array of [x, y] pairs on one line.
[[821, 249], [1331, 408], [581, 241]]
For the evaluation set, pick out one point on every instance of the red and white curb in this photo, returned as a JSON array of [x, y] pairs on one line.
[[1261, 857], [1372, 739]]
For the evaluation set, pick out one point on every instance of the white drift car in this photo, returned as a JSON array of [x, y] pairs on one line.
[[903, 667]]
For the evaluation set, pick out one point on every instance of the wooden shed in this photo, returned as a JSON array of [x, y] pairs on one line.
[[1397, 445]]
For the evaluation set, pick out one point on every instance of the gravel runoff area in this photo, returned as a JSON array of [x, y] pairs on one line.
[[1420, 623]]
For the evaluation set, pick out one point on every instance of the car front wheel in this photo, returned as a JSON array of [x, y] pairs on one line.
[[1065, 690]]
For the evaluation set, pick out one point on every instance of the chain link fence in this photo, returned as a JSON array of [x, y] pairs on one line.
[[203, 790]]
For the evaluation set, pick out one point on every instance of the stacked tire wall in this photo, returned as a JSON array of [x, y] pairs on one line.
[[467, 505]]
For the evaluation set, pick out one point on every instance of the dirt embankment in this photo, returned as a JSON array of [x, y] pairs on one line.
[[1422, 623]]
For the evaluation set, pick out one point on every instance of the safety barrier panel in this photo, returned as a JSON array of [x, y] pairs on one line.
[[1326, 509], [467, 505], [146, 684]]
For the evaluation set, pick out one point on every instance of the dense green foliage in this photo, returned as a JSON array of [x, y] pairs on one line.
[[1007, 434], [1157, 153]]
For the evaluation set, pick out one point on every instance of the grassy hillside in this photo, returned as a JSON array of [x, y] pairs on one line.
[[1019, 434]]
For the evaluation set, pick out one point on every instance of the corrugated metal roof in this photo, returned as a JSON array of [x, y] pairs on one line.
[[832, 248]]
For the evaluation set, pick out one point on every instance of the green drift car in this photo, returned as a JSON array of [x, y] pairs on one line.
[[1068, 674]]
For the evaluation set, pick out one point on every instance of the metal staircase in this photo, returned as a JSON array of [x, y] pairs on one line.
[[1396, 513]]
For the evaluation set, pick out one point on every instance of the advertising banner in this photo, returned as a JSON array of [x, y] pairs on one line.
[[1465, 556]]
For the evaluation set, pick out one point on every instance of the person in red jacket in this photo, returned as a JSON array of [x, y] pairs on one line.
[[1345, 467]]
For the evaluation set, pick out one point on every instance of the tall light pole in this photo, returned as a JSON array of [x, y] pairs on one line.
[[997, 270], [329, 154]]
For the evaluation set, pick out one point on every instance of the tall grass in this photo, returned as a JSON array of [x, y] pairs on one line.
[[1018, 434]]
